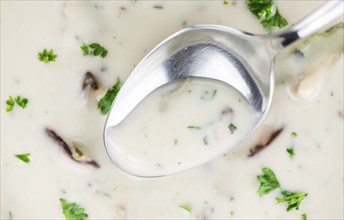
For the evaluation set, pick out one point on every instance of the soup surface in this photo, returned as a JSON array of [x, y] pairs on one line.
[[180, 126], [301, 139]]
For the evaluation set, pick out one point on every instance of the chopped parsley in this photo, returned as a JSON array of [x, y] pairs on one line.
[[293, 134], [291, 152], [158, 6], [94, 49], [225, 2], [208, 95], [232, 128], [72, 211], [268, 182], [47, 56], [184, 24], [194, 127], [304, 216], [105, 103], [275, 21], [22, 102], [186, 208], [23, 157], [10, 102], [298, 53], [293, 199], [263, 10]]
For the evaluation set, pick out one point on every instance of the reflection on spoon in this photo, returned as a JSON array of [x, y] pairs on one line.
[[238, 59]]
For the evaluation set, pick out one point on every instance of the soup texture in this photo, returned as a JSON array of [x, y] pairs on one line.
[[63, 61], [180, 126]]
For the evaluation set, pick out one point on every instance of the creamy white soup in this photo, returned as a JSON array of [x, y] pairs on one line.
[[180, 126], [53, 159]]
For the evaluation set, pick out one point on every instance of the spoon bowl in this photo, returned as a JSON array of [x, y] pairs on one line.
[[239, 59], [206, 51]]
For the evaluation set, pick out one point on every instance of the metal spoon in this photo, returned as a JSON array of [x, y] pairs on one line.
[[243, 60]]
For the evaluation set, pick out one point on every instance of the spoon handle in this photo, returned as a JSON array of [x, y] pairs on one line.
[[312, 23]]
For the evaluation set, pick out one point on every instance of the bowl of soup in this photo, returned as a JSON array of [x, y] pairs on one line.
[[62, 63]]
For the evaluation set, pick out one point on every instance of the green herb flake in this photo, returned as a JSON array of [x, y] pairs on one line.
[[158, 6], [293, 199], [47, 56], [208, 95], [10, 215], [275, 21], [10, 101], [298, 53], [22, 102], [105, 103], [10, 104], [186, 208], [225, 2], [263, 10], [268, 182], [184, 24], [194, 127], [232, 128], [24, 157], [304, 216], [85, 49], [94, 49], [291, 152], [293, 134], [72, 211]]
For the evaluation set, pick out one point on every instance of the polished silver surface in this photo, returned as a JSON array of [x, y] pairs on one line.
[[240, 59]]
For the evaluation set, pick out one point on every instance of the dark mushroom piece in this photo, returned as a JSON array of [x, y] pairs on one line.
[[73, 151], [259, 147], [89, 82]]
